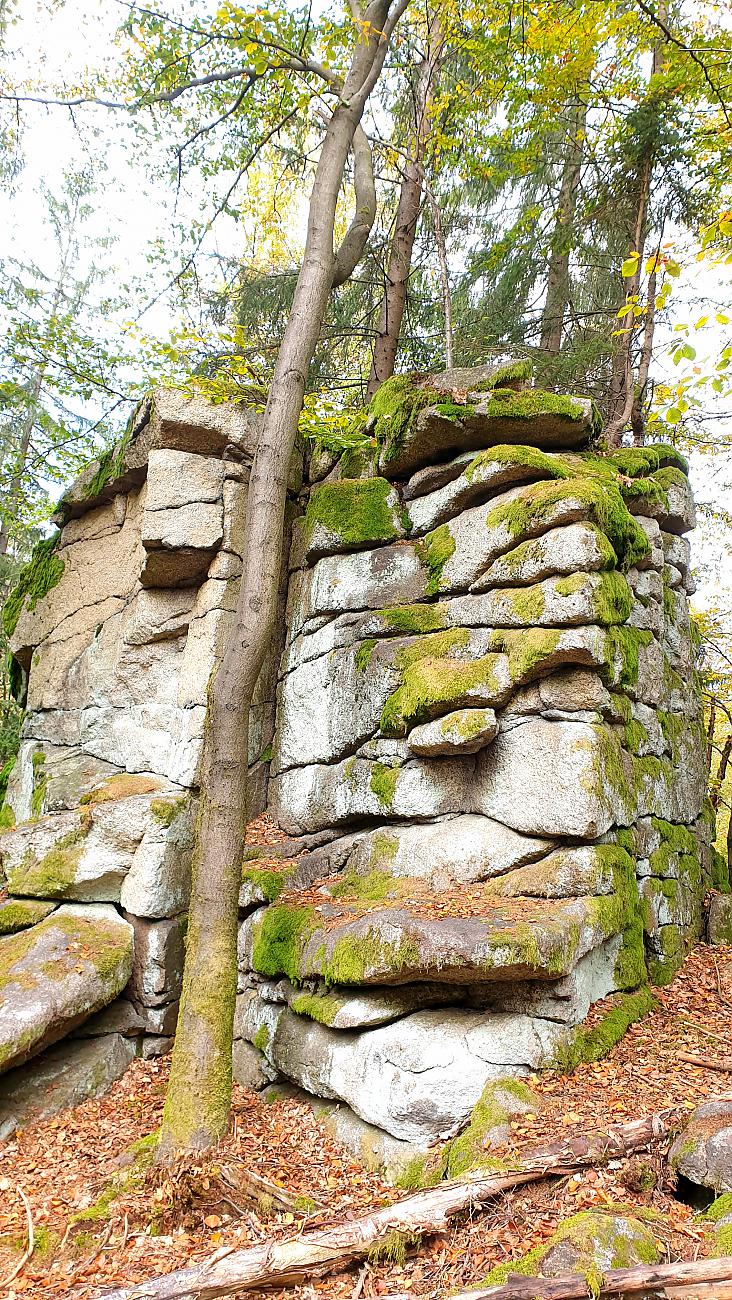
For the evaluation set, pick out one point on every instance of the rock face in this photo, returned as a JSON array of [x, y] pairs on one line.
[[487, 705], [55, 974], [703, 1151], [482, 735], [115, 627]]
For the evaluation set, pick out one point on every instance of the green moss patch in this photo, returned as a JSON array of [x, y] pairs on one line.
[[547, 466], [432, 686], [371, 887], [534, 511], [279, 938], [493, 1111], [19, 913], [55, 874], [39, 576], [383, 783], [435, 550], [356, 511], [269, 881], [592, 1043]]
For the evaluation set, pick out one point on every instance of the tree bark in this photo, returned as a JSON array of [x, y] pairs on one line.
[[659, 1280], [557, 293], [444, 275], [622, 382], [199, 1092], [310, 1254], [409, 207]]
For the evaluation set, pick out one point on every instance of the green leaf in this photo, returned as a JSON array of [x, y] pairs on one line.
[[630, 266]]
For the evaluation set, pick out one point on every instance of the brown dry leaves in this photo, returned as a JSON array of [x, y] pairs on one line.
[[65, 1163]]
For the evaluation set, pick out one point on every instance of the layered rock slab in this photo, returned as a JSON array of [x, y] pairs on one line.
[[56, 974]]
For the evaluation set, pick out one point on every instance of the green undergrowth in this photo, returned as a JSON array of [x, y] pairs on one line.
[[591, 1044], [357, 511], [42, 572]]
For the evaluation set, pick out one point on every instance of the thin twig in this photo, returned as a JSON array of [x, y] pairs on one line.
[[31, 1240]]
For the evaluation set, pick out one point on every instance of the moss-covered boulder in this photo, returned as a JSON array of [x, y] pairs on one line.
[[702, 1153], [418, 420], [719, 1217], [405, 933], [55, 974], [20, 913], [589, 1243]]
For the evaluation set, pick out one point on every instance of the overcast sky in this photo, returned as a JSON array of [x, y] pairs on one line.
[[55, 43]]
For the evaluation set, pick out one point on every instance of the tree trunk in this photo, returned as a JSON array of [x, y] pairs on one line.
[[405, 223], [199, 1092], [444, 275], [310, 1254], [694, 1280], [557, 293], [622, 391]]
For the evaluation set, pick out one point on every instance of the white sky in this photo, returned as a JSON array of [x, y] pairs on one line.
[[53, 42]]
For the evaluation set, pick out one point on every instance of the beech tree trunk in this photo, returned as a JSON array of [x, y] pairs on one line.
[[444, 275], [409, 207], [557, 292], [199, 1092], [310, 1254]]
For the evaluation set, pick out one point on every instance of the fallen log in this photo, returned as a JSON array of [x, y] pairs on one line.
[[310, 1254], [721, 1063], [662, 1280]]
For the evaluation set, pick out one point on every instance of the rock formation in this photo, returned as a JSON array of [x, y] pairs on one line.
[[488, 713], [115, 626], [487, 754]]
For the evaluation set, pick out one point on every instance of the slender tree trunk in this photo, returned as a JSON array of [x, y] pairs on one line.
[[405, 224], [199, 1092], [622, 392], [20, 459], [444, 275], [557, 293], [638, 414]]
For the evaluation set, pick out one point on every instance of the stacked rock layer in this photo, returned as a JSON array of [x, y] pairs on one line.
[[487, 753], [115, 627]]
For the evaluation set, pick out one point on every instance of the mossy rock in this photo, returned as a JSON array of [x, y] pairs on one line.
[[40, 575], [489, 1126], [56, 974], [20, 913], [352, 513], [590, 1243]]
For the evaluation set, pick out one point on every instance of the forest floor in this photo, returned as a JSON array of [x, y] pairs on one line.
[[64, 1167]]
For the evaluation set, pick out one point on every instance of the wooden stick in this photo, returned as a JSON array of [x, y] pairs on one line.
[[309, 1254], [724, 1064], [655, 1278], [31, 1241]]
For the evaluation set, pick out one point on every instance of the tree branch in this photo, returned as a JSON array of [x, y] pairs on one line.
[[354, 241]]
